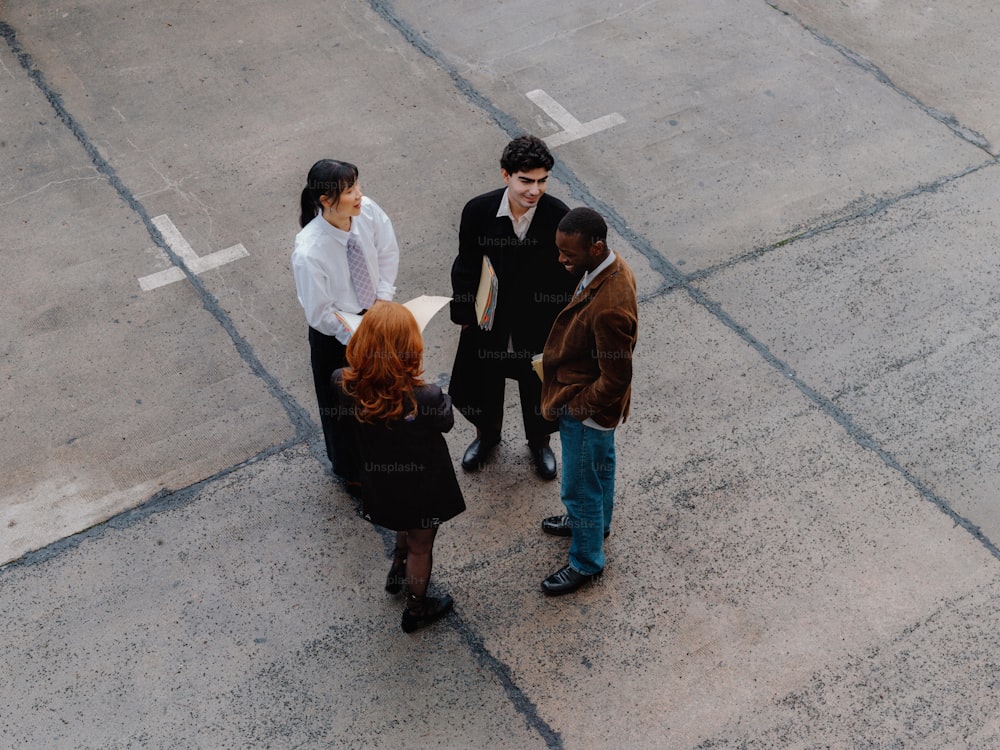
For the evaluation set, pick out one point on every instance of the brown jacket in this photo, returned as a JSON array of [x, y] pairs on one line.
[[587, 361]]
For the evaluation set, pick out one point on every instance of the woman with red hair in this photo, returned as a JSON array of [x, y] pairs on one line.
[[408, 481]]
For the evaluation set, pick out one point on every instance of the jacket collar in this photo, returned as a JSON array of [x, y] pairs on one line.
[[592, 288]]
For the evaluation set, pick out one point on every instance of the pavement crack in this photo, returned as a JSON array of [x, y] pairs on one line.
[[873, 209], [46, 186], [965, 133]]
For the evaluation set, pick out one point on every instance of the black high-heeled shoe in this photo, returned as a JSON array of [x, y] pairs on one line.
[[397, 573], [421, 611]]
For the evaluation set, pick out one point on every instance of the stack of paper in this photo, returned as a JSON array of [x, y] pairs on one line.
[[536, 365], [350, 321], [486, 297], [423, 308]]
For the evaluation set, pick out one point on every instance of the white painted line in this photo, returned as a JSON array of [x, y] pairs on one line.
[[219, 258], [176, 240], [173, 237], [161, 278], [554, 109], [588, 128], [572, 129]]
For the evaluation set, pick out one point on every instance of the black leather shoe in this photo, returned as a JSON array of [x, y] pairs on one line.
[[559, 526], [545, 461], [478, 453], [566, 580]]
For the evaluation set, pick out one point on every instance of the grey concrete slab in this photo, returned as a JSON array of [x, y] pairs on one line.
[[266, 115], [247, 614], [755, 545], [213, 117], [741, 129], [766, 548], [153, 121], [945, 56], [106, 400], [901, 692], [893, 317]]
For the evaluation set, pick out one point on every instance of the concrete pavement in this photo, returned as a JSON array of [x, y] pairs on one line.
[[804, 551]]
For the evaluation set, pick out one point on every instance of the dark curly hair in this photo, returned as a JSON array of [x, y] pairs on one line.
[[524, 153], [587, 222]]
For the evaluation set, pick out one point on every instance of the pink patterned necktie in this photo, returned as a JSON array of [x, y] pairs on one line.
[[360, 277]]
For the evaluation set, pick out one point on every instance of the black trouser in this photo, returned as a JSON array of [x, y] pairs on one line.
[[327, 355], [488, 416]]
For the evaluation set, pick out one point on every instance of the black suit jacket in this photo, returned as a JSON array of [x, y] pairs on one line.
[[533, 285], [531, 280]]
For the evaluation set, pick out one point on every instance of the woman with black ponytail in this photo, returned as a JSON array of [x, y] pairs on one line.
[[345, 260]]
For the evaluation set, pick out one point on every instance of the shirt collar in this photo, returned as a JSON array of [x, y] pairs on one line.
[[591, 275], [338, 234], [520, 225]]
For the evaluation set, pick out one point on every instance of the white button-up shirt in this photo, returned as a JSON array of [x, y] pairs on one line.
[[521, 225], [322, 276]]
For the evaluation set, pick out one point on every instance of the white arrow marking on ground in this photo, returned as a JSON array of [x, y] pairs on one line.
[[179, 245], [571, 127]]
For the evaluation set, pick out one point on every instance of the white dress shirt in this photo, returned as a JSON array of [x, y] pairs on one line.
[[322, 276], [521, 225]]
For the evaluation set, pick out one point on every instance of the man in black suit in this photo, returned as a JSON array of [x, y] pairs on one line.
[[515, 228]]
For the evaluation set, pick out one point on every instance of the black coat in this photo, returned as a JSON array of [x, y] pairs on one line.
[[533, 288], [407, 477]]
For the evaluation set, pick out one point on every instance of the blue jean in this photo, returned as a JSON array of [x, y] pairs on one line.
[[588, 490]]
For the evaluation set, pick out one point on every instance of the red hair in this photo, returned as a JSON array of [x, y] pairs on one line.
[[385, 359]]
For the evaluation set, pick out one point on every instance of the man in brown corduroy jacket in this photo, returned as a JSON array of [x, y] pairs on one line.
[[587, 387]]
